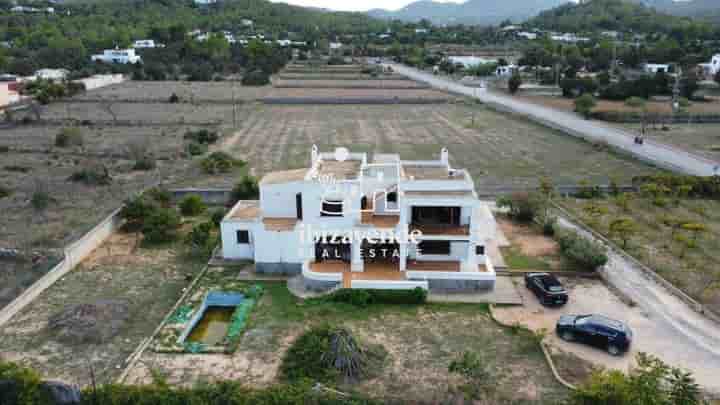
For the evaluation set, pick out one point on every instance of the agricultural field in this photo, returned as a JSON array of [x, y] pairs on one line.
[[141, 113], [687, 256], [33, 165], [379, 84], [498, 149], [421, 341], [186, 91], [653, 107]]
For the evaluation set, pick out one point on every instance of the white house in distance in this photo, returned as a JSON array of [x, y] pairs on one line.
[[147, 44], [654, 68], [504, 71], [469, 61], [382, 224], [712, 68], [52, 74], [123, 56]]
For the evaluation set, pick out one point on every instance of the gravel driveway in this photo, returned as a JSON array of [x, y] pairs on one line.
[[651, 334]]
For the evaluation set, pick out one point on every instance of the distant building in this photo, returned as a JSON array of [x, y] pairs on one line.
[[656, 68], [284, 42], [335, 45], [510, 28], [421, 30], [204, 2], [712, 68], [52, 74], [610, 34], [147, 43], [469, 61], [569, 38], [527, 35], [9, 93], [504, 71], [123, 56], [246, 22]]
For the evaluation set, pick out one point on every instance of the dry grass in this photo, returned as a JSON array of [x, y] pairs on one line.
[[694, 270], [150, 280], [421, 342], [567, 104]]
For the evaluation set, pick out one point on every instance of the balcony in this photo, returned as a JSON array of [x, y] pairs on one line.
[[380, 221]]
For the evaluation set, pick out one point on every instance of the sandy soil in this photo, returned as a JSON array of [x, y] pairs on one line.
[[528, 240]]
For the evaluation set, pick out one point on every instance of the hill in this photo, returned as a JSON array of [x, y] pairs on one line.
[[482, 12], [612, 15]]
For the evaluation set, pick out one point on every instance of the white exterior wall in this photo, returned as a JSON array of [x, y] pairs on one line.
[[230, 248]]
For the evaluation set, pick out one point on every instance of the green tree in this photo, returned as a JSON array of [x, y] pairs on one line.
[[585, 104], [192, 205], [640, 104], [624, 229], [514, 83], [651, 382]]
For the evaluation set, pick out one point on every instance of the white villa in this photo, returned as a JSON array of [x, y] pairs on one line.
[[712, 68], [352, 222], [123, 56]]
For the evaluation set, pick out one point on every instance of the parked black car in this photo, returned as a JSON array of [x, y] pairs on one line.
[[595, 330], [547, 288]]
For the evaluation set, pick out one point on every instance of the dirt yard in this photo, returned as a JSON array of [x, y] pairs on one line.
[[529, 249], [149, 280], [421, 342], [187, 91]]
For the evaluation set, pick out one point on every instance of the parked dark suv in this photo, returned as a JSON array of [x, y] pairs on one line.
[[595, 330], [547, 288]]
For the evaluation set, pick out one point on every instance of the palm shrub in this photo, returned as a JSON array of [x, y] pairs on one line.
[[326, 353]]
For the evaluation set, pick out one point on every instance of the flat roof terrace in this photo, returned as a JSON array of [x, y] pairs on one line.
[[421, 172]]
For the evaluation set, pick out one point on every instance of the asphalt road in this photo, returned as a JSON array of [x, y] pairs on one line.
[[661, 155]]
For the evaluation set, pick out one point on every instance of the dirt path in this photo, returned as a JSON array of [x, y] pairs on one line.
[[673, 330]]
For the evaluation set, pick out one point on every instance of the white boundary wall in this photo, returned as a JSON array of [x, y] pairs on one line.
[[75, 253]]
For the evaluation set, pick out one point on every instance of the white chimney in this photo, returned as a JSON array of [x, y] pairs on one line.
[[444, 156], [314, 154]]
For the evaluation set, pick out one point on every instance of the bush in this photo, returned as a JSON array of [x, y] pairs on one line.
[[256, 78], [585, 104], [174, 99], [202, 136], [220, 162], [98, 176], [192, 205], [196, 149], [4, 149], [161, 225], [246, 189], [40, 200], [514, 83], [67, 137], [145, 163], [4, 192], [581, 251], [363, 298], [200, 240], [523, 207], [160, 195], [217, 217], [136, 210]]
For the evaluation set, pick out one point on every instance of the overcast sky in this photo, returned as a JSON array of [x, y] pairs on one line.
[[355, 5]]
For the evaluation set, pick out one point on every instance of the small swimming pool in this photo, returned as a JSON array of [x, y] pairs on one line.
[[209, 326]]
